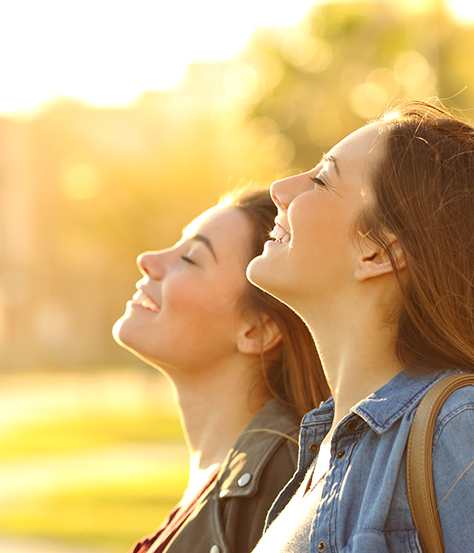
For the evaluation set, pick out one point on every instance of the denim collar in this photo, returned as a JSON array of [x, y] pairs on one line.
[[388, 404]]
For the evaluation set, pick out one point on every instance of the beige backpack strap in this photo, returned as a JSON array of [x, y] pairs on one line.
[[421, 494]]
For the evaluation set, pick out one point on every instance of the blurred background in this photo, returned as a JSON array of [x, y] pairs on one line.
[[119, 123]]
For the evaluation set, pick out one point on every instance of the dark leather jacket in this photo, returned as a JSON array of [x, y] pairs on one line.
[[230, 517]]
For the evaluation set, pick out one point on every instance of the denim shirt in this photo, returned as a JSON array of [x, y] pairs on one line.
[[364, 506]]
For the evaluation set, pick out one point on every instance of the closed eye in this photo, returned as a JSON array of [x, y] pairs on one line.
[[318, 181], [187, 259]]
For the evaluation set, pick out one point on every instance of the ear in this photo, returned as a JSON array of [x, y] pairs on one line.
[[258, 336], [374, 261]]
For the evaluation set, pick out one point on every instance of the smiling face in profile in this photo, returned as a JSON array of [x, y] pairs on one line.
[[314, 251], [185, 312]]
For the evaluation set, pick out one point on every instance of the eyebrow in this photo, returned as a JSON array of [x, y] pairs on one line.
[[332, 160], [207, 243]]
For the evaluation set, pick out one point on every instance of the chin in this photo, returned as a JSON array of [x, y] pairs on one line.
[[255, 272], [260, 274], [127, 335], [119, 332]]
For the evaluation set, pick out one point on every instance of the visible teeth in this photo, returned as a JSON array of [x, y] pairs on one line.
[[150, 304], [141, 298], [279, 234]]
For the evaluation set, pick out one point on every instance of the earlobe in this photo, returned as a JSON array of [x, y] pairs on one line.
[[259, 336], [376, 262]]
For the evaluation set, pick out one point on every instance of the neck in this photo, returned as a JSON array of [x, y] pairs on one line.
[[357, 349], [214, 410]]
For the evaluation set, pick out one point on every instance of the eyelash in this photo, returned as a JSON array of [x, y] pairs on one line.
[[185, 258], [318, 181]]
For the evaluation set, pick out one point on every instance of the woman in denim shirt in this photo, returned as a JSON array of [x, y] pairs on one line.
[[374, 248]]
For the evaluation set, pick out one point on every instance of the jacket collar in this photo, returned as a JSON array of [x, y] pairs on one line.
[[241, 470], [388, 404]]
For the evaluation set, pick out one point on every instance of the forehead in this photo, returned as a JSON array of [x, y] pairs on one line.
[[359, 151], [227, 228], [215, 219]]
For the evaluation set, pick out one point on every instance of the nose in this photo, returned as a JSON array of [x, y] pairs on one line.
[[151, 264], [284, 191]]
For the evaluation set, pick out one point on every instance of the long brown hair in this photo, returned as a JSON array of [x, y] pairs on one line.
[[423, 189], [291, 371]]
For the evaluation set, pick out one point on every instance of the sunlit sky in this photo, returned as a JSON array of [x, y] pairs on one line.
[[106, 52]]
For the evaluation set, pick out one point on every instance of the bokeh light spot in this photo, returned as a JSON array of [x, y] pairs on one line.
[[243, 82], [412, 69], [81, 181], [308, 53], [325, 129]]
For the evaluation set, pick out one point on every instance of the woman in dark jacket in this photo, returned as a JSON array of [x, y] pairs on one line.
[[243, 366]]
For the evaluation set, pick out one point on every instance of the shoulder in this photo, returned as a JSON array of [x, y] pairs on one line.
[[450, 395], [231, 515], [456, 416], [453, 467], [269, 443], [257, 468]]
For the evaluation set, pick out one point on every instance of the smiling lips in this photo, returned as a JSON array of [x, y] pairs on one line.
[[145, 301], [279, 234]]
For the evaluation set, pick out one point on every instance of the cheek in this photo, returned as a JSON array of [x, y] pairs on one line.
[[183, 298], [203, 304], [319, 228]]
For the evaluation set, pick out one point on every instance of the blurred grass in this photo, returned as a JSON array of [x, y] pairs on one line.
[[99, 474], [113, 517], [87, 431]]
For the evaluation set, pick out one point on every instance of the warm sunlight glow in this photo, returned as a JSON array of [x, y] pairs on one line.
[[463, 9], [106, 52]]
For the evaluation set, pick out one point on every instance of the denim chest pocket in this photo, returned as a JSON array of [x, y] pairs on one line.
[[376, 541]]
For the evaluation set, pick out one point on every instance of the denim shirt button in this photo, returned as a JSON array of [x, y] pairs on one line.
[[341, 454], [351, 426], [321, 546], [314, 448]]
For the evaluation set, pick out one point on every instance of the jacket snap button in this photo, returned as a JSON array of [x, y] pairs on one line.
[[243, 481], [214, 549], [351, 426], [314, 448], [341, 454], [321, 546]]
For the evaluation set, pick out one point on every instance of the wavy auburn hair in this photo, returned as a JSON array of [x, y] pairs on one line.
[[292, 371], [423, 192]]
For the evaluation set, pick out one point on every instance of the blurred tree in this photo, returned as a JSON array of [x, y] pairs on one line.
[[108, 184], [346, 63]]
